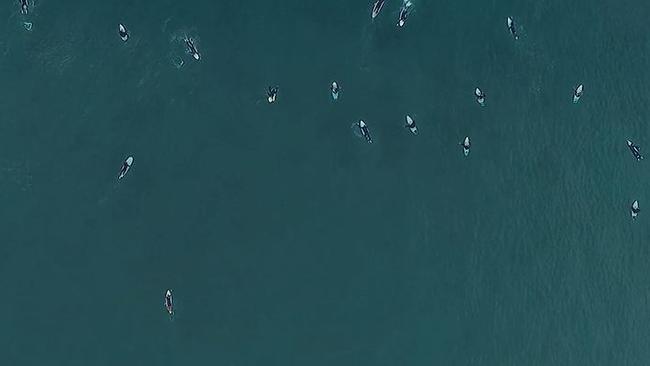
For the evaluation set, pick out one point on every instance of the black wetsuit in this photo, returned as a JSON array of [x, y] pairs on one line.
[[190, 46], [24, 6], [636, 152], [403, 14], [513, 30], [366, 133], [377, 6]]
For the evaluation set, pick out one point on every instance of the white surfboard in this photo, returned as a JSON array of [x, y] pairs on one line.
[[124, 35], [365, 131], [466, 145], [411, 125], [376, 8], [480, 97], [512, 28], [125, 167], [169, 302], [577, 93]]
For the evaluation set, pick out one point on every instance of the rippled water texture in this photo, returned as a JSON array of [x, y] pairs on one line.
[[288, 240]]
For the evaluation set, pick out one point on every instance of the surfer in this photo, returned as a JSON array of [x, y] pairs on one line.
[[376, 8], [410, 124], [466, 145], [403, 14], [24, 7], [363, 128], [634, 209], [513, 29], [577, 93], [125, 167], [169, 302], [189, 42], [124, 34], [480, 96], [335, 90], [272, 93], [636, 151]]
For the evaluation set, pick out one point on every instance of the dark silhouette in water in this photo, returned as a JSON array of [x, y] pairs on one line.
[[634, 209], [169, 302], [189, 42], [124, 34], [466, 144], [24, 7], [403, 14], [365, 131], [272, 93], [512, 27], [635, 150], [376, 8], [125, 167]]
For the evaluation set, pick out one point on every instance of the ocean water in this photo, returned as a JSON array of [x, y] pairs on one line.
[[286, 239]]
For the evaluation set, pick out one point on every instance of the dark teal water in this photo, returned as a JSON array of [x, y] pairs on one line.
[[286, 239]]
